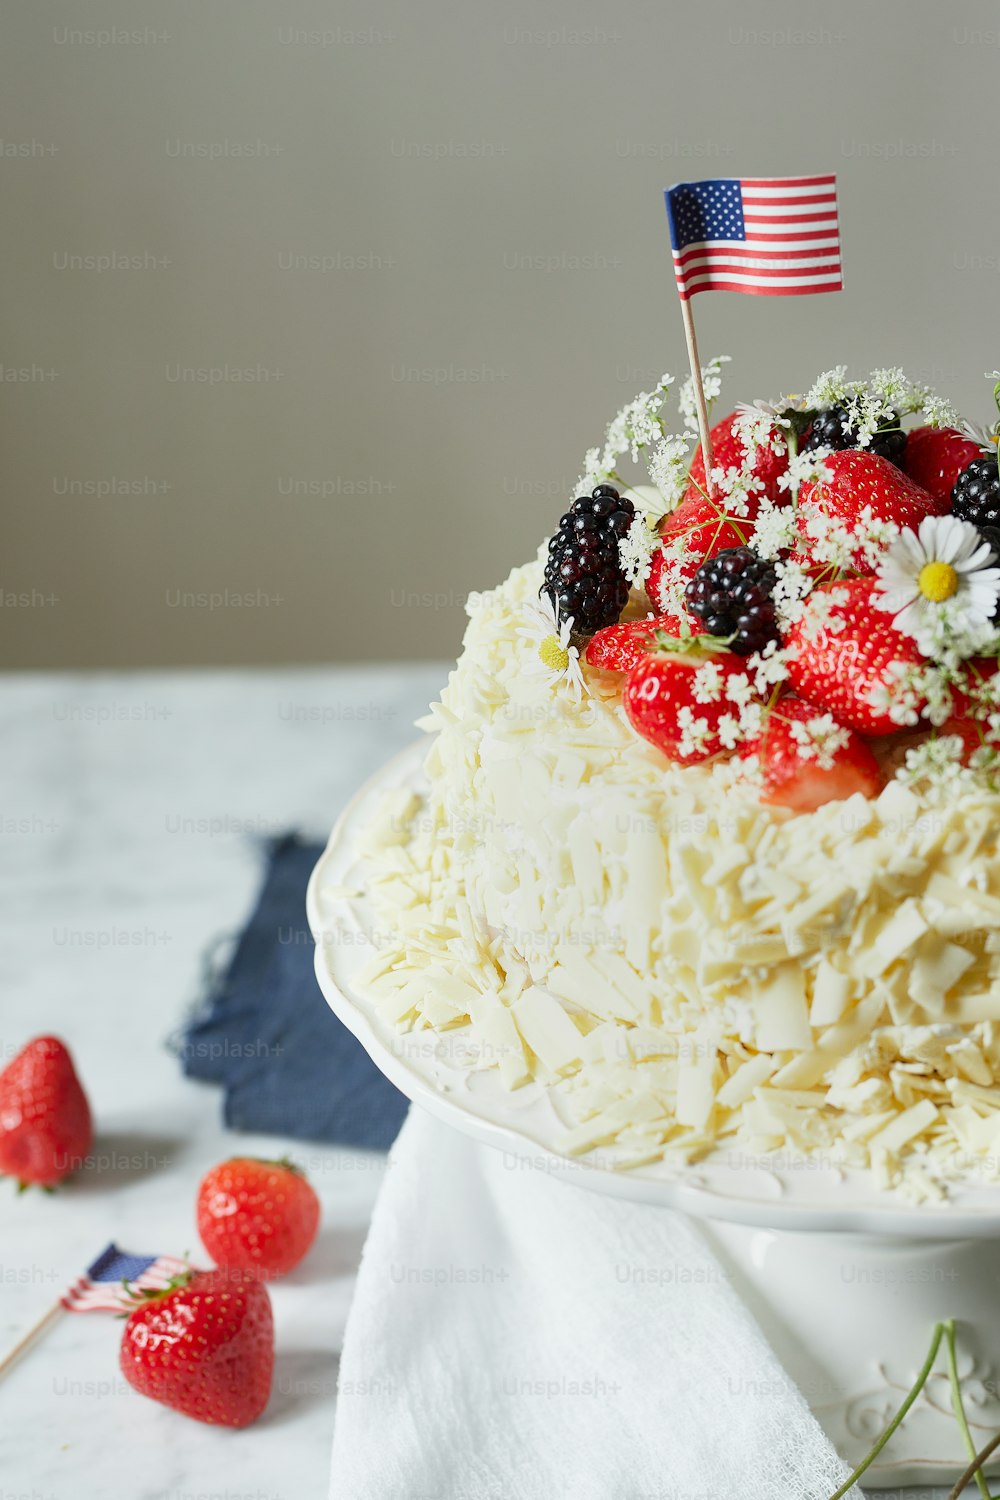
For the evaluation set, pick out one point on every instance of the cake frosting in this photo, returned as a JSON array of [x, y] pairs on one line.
[[685, 968]]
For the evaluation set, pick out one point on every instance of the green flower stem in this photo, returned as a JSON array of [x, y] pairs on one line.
[[911, 1396], [958, 1406], [974, 1467]]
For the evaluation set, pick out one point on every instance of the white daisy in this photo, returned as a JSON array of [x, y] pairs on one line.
[[553, 658], [939, 582]]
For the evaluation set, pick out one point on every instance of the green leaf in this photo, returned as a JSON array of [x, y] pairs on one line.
[[688, 641]]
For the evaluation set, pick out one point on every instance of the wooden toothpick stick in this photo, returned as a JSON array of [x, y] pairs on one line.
[[35, 1331], [699, 393]]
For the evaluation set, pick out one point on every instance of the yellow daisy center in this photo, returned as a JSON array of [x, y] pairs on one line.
[[937, 581], [553, 654]]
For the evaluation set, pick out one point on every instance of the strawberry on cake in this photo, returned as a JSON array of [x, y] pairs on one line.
[[708, 849]]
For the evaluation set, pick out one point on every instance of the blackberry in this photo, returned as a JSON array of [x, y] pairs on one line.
[[731, 595], [583, 574], [832, 428], [975, 495]]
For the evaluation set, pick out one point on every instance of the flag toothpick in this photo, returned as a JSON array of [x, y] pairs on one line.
[[701, 405], [27, 1339], [106, 1286], [766, 236]]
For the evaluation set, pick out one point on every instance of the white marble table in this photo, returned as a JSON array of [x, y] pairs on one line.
[[128, 812]]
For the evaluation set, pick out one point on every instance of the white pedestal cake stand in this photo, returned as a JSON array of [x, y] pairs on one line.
[[846, 1280]]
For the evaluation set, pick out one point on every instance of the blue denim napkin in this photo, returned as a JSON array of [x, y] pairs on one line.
[[266, 1034]]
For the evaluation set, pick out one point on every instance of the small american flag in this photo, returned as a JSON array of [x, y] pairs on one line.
[[101, 1289], [768, 236]]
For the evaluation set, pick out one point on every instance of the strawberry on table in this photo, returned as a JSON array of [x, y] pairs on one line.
[[204, 1346], [805, 758], [935, 456], [258, 1216], [855, 486], [46, 1130], [686, 701], [845, 655]]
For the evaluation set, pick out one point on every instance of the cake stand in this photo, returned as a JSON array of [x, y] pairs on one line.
[[846, 1279]]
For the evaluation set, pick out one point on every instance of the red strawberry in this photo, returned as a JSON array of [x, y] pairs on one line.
[[839, 669], [673, 700], [801, 781], [258, 1216], [935, 456], [697, 529], [45, 1126], [204, 1347], [728, 452], [617, 648], [972, 732], [966, 693], [855, 480]]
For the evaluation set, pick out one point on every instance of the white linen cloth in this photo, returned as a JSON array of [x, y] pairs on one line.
[[514, 1337]]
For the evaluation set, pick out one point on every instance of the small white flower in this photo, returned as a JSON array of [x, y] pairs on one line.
[[553, 657], [819, 739], [635, 550], [707, 685], [711, 384], [939, 583], [807, 467], [760, 424], [694, 732], [729, 731], [668, 463]]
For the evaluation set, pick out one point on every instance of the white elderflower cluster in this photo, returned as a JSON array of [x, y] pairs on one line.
[[940, 413], [824, 616], [635, 550], [792, 588], [897, 694], [760, 424], [673, 579], [638, 424], [593, 474], [737, 487], [936, 762], [828, 388], [747, 719], [768, 668], [668, 463], [879, 401], [819, 739], [872, 537], [729, 731], [805, 468], [694, 730], [950, 637], [708, 683], [775, 530], [711, 381], [833, 542]]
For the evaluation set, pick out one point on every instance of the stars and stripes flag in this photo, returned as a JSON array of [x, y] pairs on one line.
[[767, 236], [101, 1288]]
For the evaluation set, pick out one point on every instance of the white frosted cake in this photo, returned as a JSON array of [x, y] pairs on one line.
[[709, 841]]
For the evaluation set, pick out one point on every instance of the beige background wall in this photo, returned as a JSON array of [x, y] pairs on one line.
[[434, 237]]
